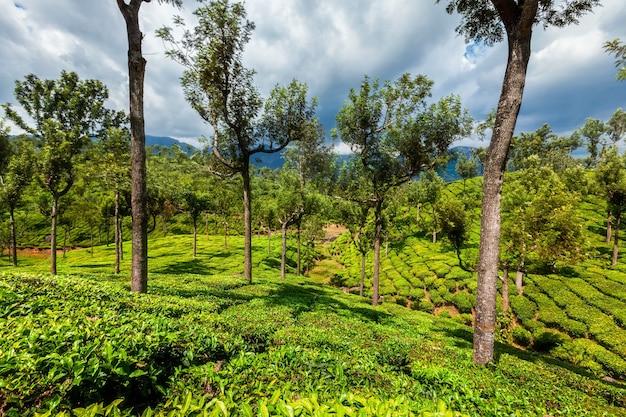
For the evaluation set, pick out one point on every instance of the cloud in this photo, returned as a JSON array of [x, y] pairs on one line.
[[329, 45]]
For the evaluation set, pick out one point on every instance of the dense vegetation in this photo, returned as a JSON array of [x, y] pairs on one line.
[[203, 342]]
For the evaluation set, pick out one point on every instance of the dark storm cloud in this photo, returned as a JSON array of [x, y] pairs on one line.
[[330, 45]]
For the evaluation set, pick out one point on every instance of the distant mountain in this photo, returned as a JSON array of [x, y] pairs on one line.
[[276, 160], [165, 141]]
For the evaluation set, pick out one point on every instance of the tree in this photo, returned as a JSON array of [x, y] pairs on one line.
[[395, 135], [592, 131], [194, 203], [489, 21], [139, 193], [540, 223], [17, 166], [65, 114], [616, 126], [111, 165], [617, 48], [454, 224], [355, 217], [466, 167], [546, 147], [610, 176], [433, 185], [220, 88]]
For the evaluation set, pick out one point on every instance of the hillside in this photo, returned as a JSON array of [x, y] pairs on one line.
[[202, 339]]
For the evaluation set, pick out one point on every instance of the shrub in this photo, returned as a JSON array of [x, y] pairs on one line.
[[464, 318], [444, 313], [401, 300], [417, 293], [523, 308], [464, 301], [546, 340], [425, 305], [521, 336], [435, 298]]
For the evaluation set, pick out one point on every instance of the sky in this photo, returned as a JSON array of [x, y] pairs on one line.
[[328, 44]]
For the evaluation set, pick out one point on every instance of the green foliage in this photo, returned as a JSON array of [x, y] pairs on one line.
[[521, 336], [523, 308], [545, 340]]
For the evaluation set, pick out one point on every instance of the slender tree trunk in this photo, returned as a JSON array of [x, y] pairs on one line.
[[495, 164], [225, 234], [618, 218], [608, 227], [377, 233], [247, 220], [505, 288], [13, 251], [195, 236], [519, 278], [362, 274], [136, 74], [434, 225], [299, 260], [53, 235], [283, 252], [269, 240], [118, 233], [121, 237]]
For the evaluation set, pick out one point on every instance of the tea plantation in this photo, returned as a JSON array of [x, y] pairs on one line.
[[204, 342]]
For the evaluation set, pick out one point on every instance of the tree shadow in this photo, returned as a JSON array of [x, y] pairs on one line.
[[314, 296], [193, 266], [464, 339]]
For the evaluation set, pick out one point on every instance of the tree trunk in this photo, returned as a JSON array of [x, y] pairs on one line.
[[495, 164], [434, 225], [519, 278], [362, 274], [505, 289], [618, 218], [299, 257], [13, 251], [377, 233], [283, 252], [53, 235], [608, 227], [269, 240], [195, 236], [118, 233], [139, 194], [247, 222]]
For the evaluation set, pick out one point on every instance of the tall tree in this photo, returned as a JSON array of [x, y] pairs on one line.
[[490, 21], [139, 193], [611, 179], [592, 131], [433, 185], [616, 126], [546, 146], [112, 166], [395, 135], [220, 88], [17, 166], [466, 167], [65, 113]]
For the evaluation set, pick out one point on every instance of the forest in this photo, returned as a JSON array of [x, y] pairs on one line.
[[328, 286]]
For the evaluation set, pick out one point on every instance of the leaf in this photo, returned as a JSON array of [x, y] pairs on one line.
[[137, 373]]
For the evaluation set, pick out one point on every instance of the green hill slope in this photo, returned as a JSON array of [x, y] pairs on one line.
[[202, 342]]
